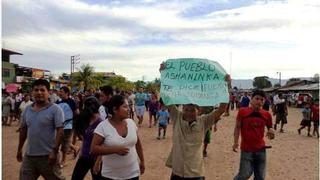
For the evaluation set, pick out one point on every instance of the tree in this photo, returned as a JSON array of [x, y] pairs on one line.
[[139, 83], [153, 86], [261, 82], [26, 87], [86, 78], [121, 83], [157, 83]]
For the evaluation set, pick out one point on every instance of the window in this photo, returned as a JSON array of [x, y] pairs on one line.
[[5, 72]]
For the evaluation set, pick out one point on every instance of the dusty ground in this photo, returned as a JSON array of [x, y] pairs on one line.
[[292, 157]]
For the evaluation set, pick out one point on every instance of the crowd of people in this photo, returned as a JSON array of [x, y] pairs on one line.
[[278, 104], [52, 121], [55, 119]]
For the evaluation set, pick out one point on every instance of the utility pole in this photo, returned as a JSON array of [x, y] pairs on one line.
[[279, 78], [72, 64], [74, 61]]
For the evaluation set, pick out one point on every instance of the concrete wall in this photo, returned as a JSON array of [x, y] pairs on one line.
[[8, 72]]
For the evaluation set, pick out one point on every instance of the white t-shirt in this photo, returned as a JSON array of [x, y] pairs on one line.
[[102, 112], [115, 166], [19, 97], [54, 98], [277, 100], [23, 105], [132, 97]]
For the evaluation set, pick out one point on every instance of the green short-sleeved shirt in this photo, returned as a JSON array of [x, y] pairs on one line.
[[186, 158]]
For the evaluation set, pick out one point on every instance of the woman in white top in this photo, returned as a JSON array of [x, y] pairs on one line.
[[117, 140]]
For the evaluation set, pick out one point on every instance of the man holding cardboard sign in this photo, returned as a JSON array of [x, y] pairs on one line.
[[192, 83]]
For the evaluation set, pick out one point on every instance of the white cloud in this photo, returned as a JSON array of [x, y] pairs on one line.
[[264, 38]]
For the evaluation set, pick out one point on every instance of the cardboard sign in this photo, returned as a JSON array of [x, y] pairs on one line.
[[193, 81]]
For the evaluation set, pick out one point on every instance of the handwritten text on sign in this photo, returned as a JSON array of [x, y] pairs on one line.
[[193, 81]]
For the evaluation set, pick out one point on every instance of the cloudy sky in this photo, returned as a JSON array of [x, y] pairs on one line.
[[131, 37]]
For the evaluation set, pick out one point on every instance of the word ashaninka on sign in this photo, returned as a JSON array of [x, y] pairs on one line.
[[193, 81]]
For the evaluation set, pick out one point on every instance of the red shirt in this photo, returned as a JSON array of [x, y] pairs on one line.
[[252, 128], [315, 112], [232, 98]]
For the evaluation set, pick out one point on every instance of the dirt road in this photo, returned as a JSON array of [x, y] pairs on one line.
[[292, 156]]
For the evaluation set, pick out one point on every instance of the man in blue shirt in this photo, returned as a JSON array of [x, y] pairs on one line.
[[69, 108], [245, 100], [42, 124], [140, 98]]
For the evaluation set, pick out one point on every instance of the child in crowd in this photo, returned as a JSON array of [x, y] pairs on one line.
[[153, 109], [162, 118], [207, 137], [306, 121], [315, 117]]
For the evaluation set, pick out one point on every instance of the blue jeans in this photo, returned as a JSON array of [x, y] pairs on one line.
[[175, 177], [252, 162]]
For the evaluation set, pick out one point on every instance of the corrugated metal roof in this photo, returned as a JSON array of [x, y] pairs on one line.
[[310, 87], [270, 89]]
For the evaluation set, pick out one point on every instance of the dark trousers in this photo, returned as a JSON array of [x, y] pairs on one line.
[[82, 167], [104, 178], [175, 177]]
